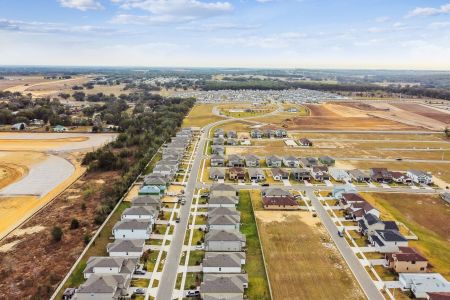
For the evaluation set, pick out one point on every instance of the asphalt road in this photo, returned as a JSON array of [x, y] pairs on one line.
[[355, 266]]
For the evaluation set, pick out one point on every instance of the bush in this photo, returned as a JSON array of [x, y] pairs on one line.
[[74, 224], [57, 233], [87, 239]]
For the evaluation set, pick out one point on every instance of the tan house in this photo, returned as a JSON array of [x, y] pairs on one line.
[[406, 260], [236, 173]]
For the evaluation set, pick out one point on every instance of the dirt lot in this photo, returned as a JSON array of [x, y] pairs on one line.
[[369, 136], [13, 81], [320, 110], [360, 106], [306, 259], [425, 111], [426, 215]]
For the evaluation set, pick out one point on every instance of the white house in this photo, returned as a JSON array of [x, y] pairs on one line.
[[387, 240], [100, 265], [140, 213], [104, 287], [223, 262], [126, 248], [420, 177], [224, 222], [132, 229], [222, 201], [422, 283], [223, 240]]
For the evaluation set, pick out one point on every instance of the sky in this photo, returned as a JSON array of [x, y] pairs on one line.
[[375, 34]]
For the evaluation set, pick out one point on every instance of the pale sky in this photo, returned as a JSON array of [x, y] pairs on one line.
[[403, 34]]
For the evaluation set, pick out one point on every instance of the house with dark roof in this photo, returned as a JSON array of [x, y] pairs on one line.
[[406, 260], [280, 203], [400, 177], [327, 160], [232, 134], [381, 175], [320, 173], [218, 149], [273, 161], [348, 199], [387, 240], [217, 160], [301, 174], [113, 287], [126, 248], [147, 200], [370, 222], [223, 211], [223, 262], [305, 142], [218, 141], [358, 210], [308, 162], [223, 222], [235, 160], [224, 241]]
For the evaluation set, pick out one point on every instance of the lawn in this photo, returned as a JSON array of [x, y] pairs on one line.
[[200, 115], [196, 257], [140, 282], [197, 238], [96, 249], [302, 261], [258, 285], [427, 216]]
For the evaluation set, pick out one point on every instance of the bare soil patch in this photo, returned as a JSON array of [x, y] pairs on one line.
[[425, 111]]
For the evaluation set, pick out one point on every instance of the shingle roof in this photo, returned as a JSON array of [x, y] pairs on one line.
[[222, 235], [222, 259], [223, 283], [222, 200], [103, 284], [139, 211], [126, 246], [132, 224], [223, 220], [222, 187], [391, 235]]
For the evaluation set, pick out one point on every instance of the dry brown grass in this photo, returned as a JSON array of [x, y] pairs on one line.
[[200, 115], [302, 259]]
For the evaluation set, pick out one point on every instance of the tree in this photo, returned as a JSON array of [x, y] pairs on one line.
[[79, 96], [65, 96], [57, 233]]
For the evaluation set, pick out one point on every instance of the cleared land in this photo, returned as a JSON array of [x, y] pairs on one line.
[[200, 115], [425, 111], [302, 259], [426, 215]]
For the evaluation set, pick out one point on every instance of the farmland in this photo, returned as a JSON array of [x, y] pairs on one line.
[[425, 215]]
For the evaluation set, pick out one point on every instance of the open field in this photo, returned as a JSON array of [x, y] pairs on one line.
[[45, 86], [200, 115], [20, 81], [301, 258], [369, 136], [425, 111], [426, 215]]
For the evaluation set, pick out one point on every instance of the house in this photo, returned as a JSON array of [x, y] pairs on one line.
[[358, 175], [126, 248], [223, 222], [219, 133], [157, 180], [276, 192], [222, 189], [236, 173], [308, 162], [224, 241], [59, 128], [387, 240], [291, 161], [381, 175], [232, 142], [339, 175], [150, 190], [320, 173], [358, 210], [140, 213], [218, 141], [217, 174], [104, 265], [217, 160], [446, 197], [223, 286], [132, 229], [301, 174], [273, 161], [223, 262], [252, 161], [232, 134], [370, 222], [438, 296], [327, 161], [256, 134], [305, 142], [400, 177], [420, 284], [406, 260], [152, 201], [245, 142], [278, 133], [420, 177], [280, 203], [164, 170], [19, 126], [349, 199], [339, 190], [223, 201], [280, 174], [218, 149], [235, 160], [104, 287], [223, 211], [256, 174]]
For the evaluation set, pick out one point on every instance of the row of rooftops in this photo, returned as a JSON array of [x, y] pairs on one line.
[[111, 275]]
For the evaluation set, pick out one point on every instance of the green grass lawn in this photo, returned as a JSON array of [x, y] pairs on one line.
[[258, 285], [196, 257], [196, 238], [140, 282], [97, 249]]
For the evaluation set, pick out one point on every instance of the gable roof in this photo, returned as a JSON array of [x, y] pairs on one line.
[[222, 187], [126, 246], [132, 224], [222, 235], [96, 284], [391, 235], [222, 259]]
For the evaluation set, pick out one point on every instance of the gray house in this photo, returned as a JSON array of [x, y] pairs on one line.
[[224, 241], [232, 134], [291, 161], [274, 161], [309, 162], [100, 265], [219, 133], [256, 174], [218, 149], [217, 174], [256, 134], [223, 286], [223, 211], [232, 142], [223, 222], [235, 161], [223, 262], [222, 189], [326, 160], [126, 248], [252, 161], [358, 175], [217, 160], [152, 201], [222, 201], [218, 141], [104, 287], [301, 174]]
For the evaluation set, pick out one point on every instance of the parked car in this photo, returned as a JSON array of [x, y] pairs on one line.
[[340, 233], [139, 272], [139, 292], [193, 294], [265, 184], [348, 217], [177, 220]]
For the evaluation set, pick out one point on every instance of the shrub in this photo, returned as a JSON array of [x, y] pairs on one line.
[[57, 233]]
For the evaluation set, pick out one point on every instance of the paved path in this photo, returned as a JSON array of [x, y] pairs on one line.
[[355, 266]]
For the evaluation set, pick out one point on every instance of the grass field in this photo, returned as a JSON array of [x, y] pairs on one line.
[[425, 215], [258, 285], [200, 115], [302, 259]]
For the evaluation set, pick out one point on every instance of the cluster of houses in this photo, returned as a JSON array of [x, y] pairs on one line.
[[268, 133], [36, 123], [109, 277], [222, 265], [385, 237], [278, 199]]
